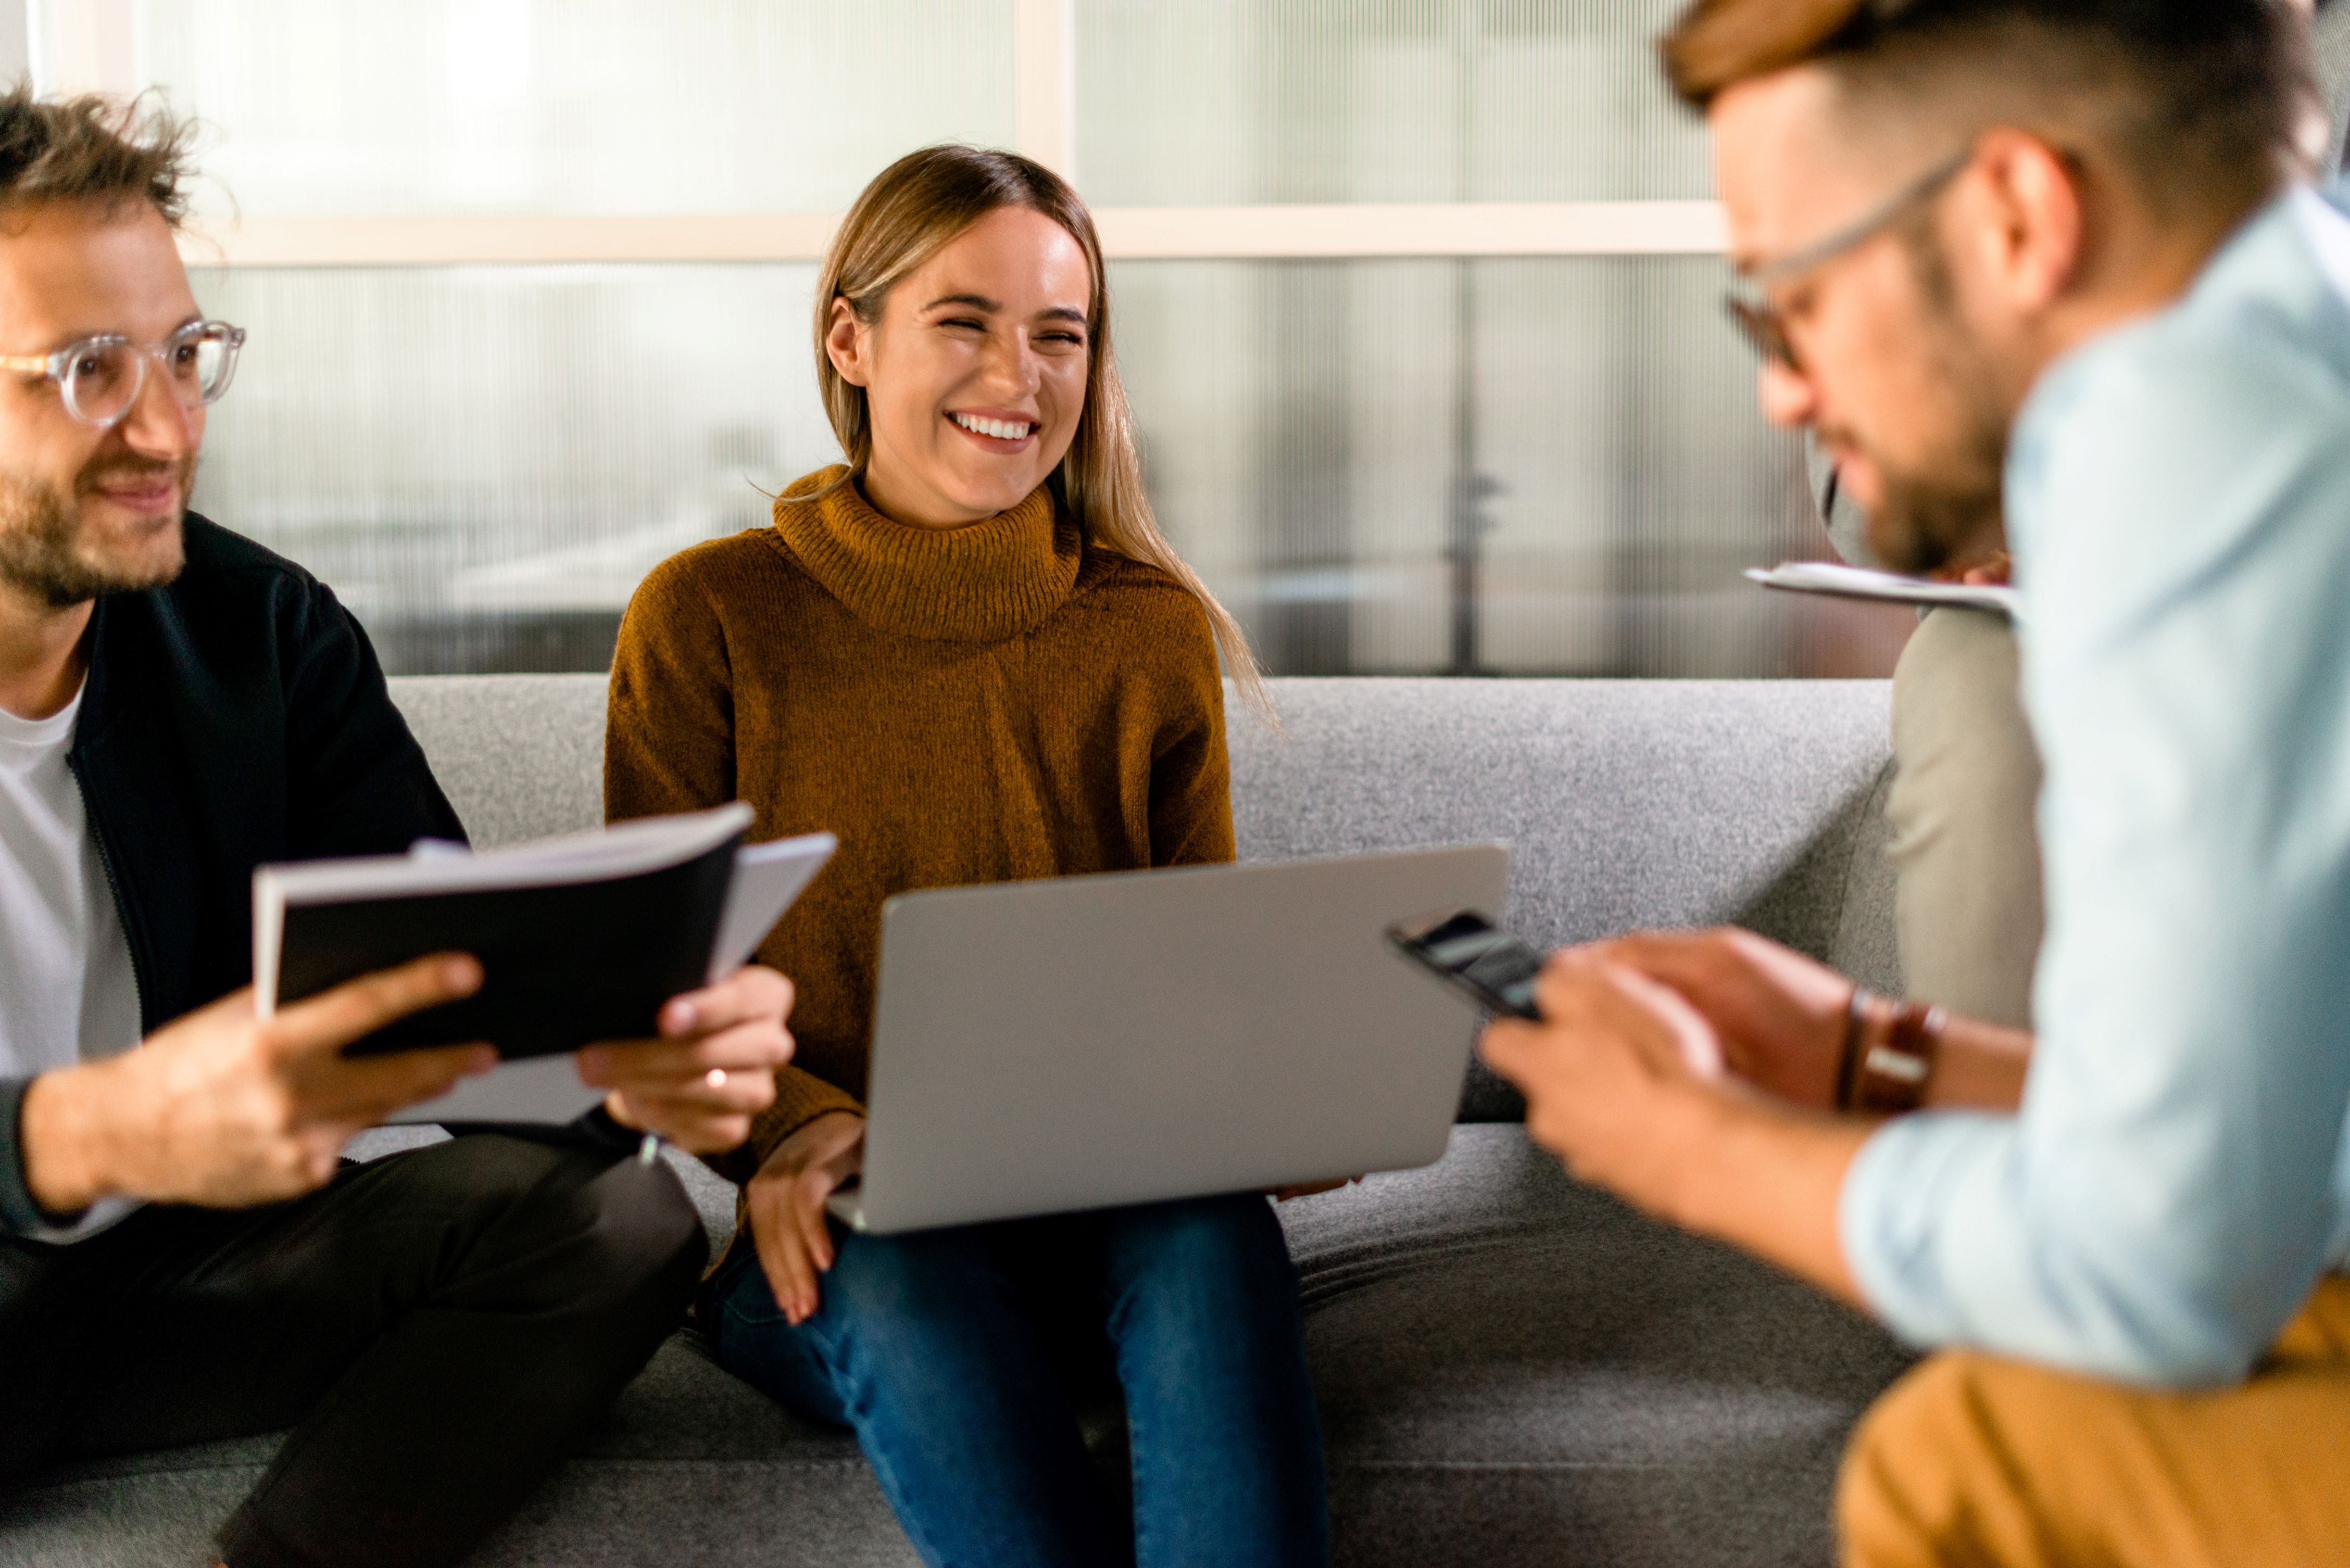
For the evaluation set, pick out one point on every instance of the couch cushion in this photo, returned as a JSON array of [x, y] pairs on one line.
[[692, 1467], [1514, 1368]]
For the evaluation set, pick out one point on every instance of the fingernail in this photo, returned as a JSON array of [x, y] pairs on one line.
[[460, 974], [680, 1017]]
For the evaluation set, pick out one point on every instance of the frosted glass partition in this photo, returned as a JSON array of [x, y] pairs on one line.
[[1500, 466], [485, 461], [1231, 102], [332, 108], [1509, 467]]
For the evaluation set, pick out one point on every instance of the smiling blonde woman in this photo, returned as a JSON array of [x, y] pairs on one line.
[[971, 654]]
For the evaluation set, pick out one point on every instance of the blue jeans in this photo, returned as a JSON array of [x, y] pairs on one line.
[[947, 1353]]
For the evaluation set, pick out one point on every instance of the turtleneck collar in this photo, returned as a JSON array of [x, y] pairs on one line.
[[985, 582]]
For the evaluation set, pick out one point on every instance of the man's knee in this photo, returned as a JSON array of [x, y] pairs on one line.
[[606, 1227], [642, 1215], [1925, 1479]]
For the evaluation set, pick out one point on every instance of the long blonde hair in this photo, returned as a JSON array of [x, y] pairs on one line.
[[913, 210]]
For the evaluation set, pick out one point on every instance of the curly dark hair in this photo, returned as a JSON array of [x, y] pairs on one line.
[[94, 148]]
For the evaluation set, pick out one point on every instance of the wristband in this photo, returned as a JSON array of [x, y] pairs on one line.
[[1856, 1025], [1890, 1079]]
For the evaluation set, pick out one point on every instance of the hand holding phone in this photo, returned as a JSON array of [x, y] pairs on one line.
[[1467, 952]]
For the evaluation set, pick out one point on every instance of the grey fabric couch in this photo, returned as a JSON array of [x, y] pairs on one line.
[[1512, 1369]]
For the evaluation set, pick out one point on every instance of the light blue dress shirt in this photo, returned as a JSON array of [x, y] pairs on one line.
[[2179, 1176]]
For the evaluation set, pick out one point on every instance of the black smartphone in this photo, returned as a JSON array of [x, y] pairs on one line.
[[1466, 951]]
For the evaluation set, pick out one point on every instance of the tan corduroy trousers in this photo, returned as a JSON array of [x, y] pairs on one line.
[[1972, 1461]]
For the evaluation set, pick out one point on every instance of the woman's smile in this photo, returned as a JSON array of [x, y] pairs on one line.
[[996, 429]]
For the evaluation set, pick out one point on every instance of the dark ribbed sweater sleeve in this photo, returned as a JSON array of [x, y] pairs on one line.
[[19, 1215]]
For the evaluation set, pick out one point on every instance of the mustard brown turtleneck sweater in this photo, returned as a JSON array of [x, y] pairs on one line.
[[993, 704]]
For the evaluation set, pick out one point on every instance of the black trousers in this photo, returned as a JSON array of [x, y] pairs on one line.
[[439, 1328]]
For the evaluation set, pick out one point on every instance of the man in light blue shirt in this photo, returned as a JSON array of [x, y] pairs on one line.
[[2042, 252], [2179, 504]]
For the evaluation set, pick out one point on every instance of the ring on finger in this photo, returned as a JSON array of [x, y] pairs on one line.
[[715, 1077]]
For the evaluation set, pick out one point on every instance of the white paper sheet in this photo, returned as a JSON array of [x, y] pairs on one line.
[[543, 1089], [767, 878], [1857, 583]]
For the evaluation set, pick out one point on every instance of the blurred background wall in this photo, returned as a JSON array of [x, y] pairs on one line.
[[1417, 300]]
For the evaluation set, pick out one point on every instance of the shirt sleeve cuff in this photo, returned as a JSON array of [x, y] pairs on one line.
[[1893, 1211], [19, 1215]]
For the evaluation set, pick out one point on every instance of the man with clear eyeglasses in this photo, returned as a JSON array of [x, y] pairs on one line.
[[1961, 840], [182, 1255], [2050, 261]]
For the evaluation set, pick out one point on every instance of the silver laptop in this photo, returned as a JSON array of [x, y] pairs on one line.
[[1040, 1047]]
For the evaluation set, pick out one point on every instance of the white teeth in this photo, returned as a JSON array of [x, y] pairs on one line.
[[1002, 430]]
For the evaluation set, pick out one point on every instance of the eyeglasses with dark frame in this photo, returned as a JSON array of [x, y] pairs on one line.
[[99, 378], [1760, 321]]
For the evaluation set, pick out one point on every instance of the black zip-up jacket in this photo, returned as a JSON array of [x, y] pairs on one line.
[[234, 717]]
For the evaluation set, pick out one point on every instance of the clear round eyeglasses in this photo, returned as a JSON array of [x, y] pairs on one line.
[[100, 378]]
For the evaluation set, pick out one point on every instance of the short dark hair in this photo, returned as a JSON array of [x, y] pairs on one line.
[[2195, 99], [93, 149]]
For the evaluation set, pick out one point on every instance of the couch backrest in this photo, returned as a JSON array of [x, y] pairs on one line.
[[1627, 804], [520, 756]]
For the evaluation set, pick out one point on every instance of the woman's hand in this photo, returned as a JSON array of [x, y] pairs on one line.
[[787, 1201]]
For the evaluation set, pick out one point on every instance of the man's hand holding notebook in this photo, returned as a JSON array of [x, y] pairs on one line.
[[635, 933]]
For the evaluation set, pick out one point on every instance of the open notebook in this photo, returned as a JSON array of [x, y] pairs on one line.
[[581, 939]]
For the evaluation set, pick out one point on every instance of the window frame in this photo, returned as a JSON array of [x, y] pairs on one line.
[[76, 46]]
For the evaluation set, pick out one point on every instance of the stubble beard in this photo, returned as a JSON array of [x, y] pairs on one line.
[[1929, 520], [45, 554], [1927, 524]]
